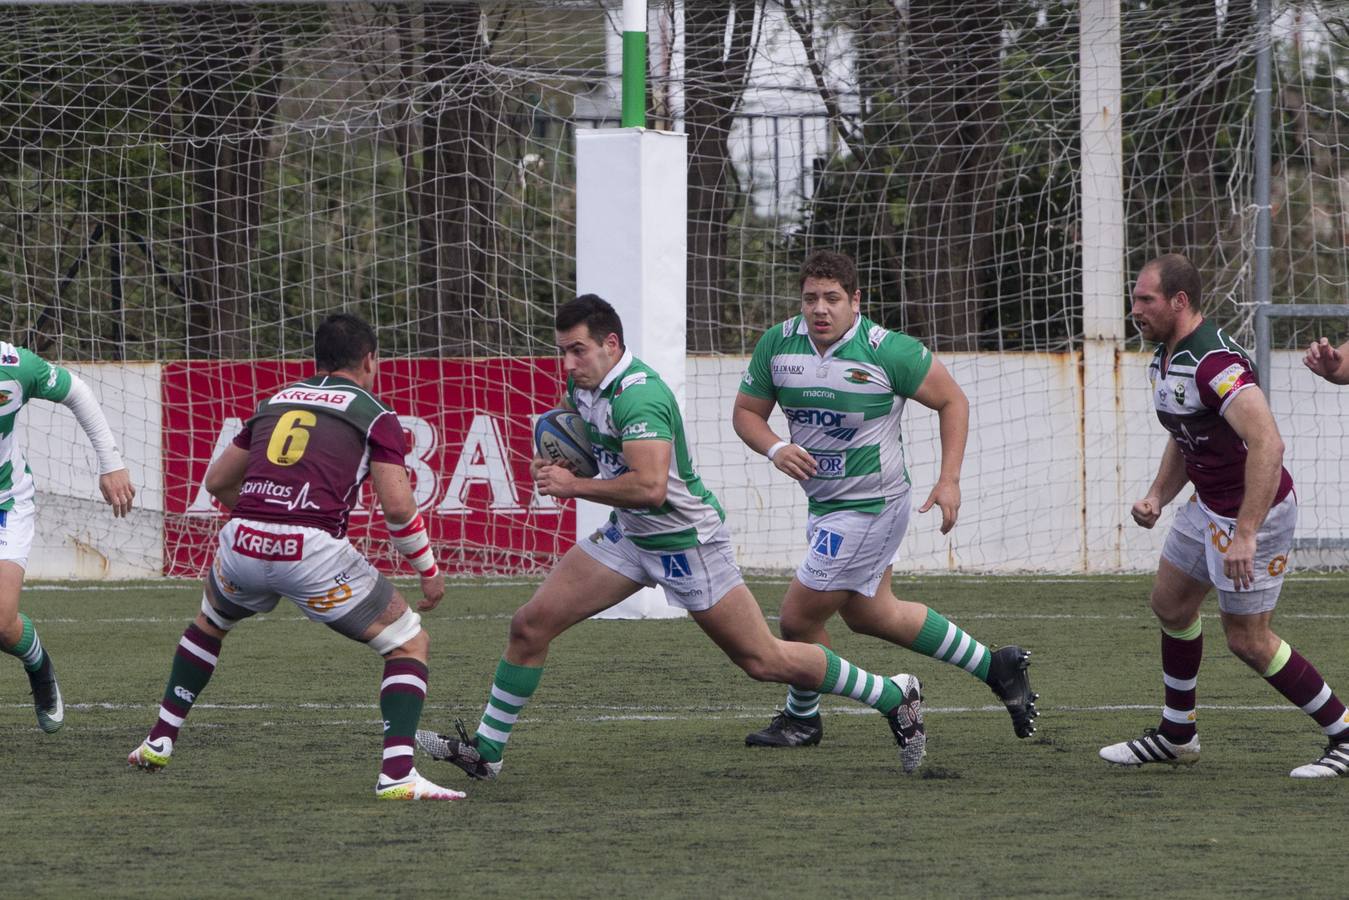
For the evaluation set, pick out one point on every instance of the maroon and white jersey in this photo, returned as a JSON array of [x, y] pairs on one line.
[[1190, 392], [310, 446]]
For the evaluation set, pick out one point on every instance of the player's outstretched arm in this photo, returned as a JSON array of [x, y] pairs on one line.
[[1170, 479], [940, 393], [407, 531], [749, 418], [114, 481], [1248, 414], [1331, 363]]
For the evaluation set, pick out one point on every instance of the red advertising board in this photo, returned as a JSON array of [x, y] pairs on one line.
[[469, 427]]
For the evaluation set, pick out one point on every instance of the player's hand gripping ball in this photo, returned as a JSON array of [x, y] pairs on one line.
[[560, 436]]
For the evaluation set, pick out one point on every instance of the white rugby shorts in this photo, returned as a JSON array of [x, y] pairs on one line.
[[849, 550], [16, 532], [257, 563], [1199, 537], [693, 579]]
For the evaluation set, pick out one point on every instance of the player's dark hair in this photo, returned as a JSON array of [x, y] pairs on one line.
[[341, 341], [1176, 273], [828, 264], [591, 310]]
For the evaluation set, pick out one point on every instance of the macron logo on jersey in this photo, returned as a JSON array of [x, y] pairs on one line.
[[307, 396]]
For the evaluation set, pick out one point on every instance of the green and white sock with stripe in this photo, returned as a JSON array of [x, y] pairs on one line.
[[945, 641], [847, 680], [802, 704], [511, 689], [29, 648]]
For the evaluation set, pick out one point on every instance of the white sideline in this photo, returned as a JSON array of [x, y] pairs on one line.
[[187, 584], [643, 714], [492, 617]]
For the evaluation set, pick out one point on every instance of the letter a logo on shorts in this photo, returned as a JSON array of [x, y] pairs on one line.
[[676, 565], [826, 543]]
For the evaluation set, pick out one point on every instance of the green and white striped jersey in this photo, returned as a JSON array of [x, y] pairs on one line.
[[843, 407], [634, 404], [24, 376]]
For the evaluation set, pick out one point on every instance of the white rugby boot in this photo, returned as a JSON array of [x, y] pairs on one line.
[[1152, 747]]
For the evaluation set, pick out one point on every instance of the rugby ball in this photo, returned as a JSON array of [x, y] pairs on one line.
[[560, 436]]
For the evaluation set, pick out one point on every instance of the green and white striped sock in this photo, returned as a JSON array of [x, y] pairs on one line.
[[802, 704], [945, 641], [29, 648], [847, 680], [511, 689]]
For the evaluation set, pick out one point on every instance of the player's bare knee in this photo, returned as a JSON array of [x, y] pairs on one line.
[[1252, 649], [527, 632], [1169, 612], [770, 663], [795, 628], [758, 667]]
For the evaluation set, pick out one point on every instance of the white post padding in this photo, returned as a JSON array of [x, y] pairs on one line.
[[631, 207], [1103, 282]]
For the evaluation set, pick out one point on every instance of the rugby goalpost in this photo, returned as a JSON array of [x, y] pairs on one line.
[[631, 192]]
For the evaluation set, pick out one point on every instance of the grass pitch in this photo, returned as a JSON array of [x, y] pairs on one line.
[[628, 774]]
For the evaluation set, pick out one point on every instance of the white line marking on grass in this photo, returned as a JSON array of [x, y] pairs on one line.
[[644, 714]]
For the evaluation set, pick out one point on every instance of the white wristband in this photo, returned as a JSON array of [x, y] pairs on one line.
[[772, 451]]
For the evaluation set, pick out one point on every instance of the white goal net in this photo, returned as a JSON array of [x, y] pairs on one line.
[[185, 190]]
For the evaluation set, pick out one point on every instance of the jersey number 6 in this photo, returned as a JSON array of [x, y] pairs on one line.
[[290, 437]]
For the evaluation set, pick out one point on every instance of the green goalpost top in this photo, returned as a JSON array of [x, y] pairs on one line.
[[634, 64]]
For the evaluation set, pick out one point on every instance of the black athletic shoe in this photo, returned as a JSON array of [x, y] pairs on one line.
[[1008, 678], [788, 731], [51, 712], [462, 751], [906, 722]]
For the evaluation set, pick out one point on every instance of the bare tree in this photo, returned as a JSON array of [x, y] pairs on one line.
[[451, 185], [717, 48], [955, 120], [229, 69]]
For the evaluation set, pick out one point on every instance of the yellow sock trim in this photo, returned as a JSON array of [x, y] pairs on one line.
[[1186, 634], [1280, 659]]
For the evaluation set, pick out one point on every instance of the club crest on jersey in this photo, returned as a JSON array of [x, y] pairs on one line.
[[676, 565], [857, 376], [11, 397], [826, 543], [9, 359], [1179, 391]]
